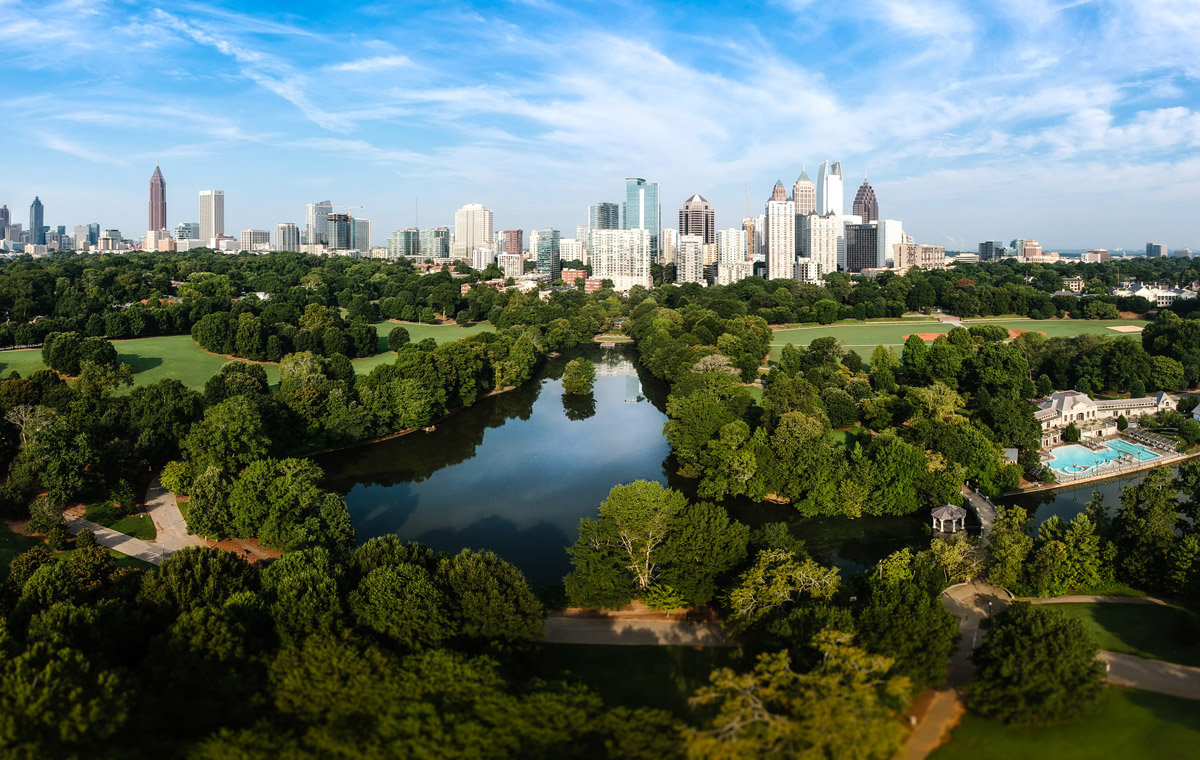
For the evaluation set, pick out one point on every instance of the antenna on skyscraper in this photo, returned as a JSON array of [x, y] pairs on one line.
[[416, 213], [746, 187]]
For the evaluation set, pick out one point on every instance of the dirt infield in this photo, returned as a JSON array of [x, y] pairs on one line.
[[926, 336], [1015, 333], [1126, 328]]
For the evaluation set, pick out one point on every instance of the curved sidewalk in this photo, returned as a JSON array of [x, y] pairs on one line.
[[169, 525]]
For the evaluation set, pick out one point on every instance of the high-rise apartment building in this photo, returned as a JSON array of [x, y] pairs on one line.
[[862, 247], [158, 200], [804, 193], [641, 210], [287, 237], [543, 245], [37, 230], [690, 266], [511, 264], [697, 218], [668, 252], [865, 204], [338, 229], [187, 231], [255, 240], [514, 241], [604, 216], [819, 243], [316, 222], [731, 246], [622, 256], [472, 229], [404, 243], [750, 227], [360, 234], [212, 214], [830, 195], [435, 243], [781, 238]]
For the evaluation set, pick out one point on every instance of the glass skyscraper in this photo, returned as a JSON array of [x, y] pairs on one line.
[[37, 232], [545, 244], [641, 210], [604, 216]]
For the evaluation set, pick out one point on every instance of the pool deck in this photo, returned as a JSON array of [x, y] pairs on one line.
[[1160, 461]]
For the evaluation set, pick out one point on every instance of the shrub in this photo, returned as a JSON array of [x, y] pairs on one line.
[[43, 515], [57, 537], [85, 538], [1122, 423]]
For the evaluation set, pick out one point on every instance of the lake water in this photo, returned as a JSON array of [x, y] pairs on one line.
[[515, 473], [1071, 500]]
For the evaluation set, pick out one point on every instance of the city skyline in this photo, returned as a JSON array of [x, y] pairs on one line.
[[1070, 124]]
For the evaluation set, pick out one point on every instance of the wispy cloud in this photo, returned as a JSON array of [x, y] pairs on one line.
[[376, 63]]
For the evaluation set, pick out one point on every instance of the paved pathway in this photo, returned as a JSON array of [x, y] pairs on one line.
[[983, 510], [1094, 599], [933, 731], [635, 632], [168, 520], [1153, 675], [133, 547]]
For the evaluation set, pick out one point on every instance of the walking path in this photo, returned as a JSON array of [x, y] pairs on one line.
[[634, 632], [1094, 599], [1152, 675], [983, 510], [107, 537], [168, 520], [939, 720]]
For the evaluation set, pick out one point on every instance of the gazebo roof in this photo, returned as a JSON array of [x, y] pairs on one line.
[[949, 512]]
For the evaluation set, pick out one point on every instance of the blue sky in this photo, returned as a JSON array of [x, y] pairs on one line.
[[1074, 123]]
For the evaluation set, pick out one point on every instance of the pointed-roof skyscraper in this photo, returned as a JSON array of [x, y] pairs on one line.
[[158, 201], [865, 204], [698, 218], [37, 233], [779, 192], [804, 193]]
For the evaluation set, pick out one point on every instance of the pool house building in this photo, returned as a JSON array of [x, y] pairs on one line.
[[1095, 418]]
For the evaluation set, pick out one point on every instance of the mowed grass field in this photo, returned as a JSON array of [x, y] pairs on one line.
[[864, 337], [1157, 632], [178, 356], [1129, 724]]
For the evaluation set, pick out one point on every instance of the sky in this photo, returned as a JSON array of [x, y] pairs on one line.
[[1071, 122]]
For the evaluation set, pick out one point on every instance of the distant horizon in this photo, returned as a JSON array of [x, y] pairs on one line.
[[1070, 124]]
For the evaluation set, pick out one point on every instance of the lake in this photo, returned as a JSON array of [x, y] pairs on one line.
[[515, 473]]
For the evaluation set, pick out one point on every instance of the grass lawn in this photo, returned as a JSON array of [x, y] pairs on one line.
[[637, 676], [1064, 328], [1160, 633], [12, 545], [138, 526], [419, 331], [1129, 724]]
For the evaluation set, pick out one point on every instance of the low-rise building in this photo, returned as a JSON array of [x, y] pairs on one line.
[[1073, 284], [909, 255], [1094, 418], [1154, 294]]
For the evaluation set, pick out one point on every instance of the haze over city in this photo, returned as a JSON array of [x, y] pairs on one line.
[[1067, 122]]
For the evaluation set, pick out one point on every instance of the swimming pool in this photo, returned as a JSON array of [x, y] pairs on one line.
[[1079, 460]]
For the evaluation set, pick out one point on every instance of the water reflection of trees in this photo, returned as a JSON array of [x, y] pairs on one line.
[[577, 407]]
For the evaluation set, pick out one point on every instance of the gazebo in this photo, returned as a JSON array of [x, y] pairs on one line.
[[949, 513]]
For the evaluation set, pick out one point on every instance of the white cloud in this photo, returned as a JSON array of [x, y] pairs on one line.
[[376, 63]]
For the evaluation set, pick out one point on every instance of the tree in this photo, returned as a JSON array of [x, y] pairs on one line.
[[629, 534], [1122, 423], [909, 624], [846, 707], [397, 337], [229, 437], [1071, 434], [702, 545], [777, 578], [825, 311], [1009, 545], [840, 406], [489, 599], [1036, 667], [402, 603], [914, 357], [579, 377]]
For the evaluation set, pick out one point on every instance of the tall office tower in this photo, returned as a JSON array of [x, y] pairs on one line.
[[158, 200], [641, 209], [1153, 250], [435, 243], [697, 218], [287, 237], [37, 233], [991, 250], [804, 193], [830, 196], [514, 241], [691, 259], [94, 233], [731, 246], [748, 226], [669, 252], [862, 247], [316, 222], [472, 229], [779, 192], [360, 234], [543, 245], [604, 216], [819, 243], [5, 220], [212, 214], [338, 229], [865, 204], [82, 240], [255, 240], [622, 256], [890, 233], [781, 239], [187, 231], [404, 243]]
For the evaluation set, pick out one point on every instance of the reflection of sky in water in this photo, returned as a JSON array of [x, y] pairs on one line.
[[529, 482]]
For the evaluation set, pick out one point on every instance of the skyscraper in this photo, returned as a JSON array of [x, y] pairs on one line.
[[830, 195], [514, 241], [865, 204], [255, 240], [360, 234], [158, 201], [862, 247], [544, 245], [819, 244], [804, 193], [690, 266], [641, 209], [435, 243], [891, 232], [287, 237], [406, 243], [781, 238], [317, 222], [604, 216], [1153, 250], [697, 218], [622, 256], [5, 220], [338, 229], [187, 231], [37, 232], [212, 214], [472, 229]]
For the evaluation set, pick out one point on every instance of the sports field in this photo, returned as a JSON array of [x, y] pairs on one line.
[[1129, 724], [864, 337], [418, 331]]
